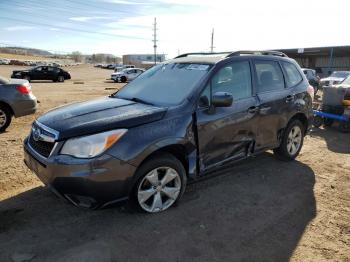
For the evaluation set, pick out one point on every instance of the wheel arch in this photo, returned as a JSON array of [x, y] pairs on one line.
[[302, 118], [177, 150], [2, 103]]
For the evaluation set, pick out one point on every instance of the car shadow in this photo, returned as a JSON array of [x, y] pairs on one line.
[[42, 81], [336, 141], [255, 211]]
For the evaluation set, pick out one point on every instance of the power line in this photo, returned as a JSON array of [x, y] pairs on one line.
[[58, 10], [86, 3], [72, 29]]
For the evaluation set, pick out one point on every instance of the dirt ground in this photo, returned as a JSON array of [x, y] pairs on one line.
[[259, 210]]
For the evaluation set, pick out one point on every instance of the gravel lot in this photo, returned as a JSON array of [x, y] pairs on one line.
[[259, 210]]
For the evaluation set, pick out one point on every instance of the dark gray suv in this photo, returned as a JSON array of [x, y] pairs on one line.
[[178, 121]]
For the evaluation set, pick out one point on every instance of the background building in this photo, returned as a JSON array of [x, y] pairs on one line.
[[142, 60], [323, 59]]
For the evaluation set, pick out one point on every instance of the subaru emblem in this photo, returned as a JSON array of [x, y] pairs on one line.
[[36, 134]]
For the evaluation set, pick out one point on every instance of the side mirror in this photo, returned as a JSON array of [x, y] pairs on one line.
[[203, 101], [222, 99]]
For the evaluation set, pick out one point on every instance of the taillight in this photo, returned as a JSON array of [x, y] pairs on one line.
[[311, 91], [23, 89]]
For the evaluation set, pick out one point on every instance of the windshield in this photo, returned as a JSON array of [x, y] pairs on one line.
[[165, 84], [340, 74], [346, 81]]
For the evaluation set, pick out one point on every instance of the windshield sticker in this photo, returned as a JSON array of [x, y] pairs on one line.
[[197, 67]]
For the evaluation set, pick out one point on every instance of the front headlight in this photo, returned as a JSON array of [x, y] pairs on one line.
[[93, 145]]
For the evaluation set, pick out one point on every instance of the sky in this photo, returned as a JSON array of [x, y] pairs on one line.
[[126, 26]]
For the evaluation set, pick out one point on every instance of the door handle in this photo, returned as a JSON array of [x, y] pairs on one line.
[[290, 98], [253, 109]]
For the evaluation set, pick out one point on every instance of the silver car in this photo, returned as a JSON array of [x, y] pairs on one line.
[[334, 79], [128, 74], [16, 99]]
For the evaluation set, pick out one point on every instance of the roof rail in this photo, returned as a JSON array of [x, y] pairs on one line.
[[275, 53], [203, 53]]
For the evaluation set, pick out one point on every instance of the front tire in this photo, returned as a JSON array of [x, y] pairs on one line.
[[5, 118], [161, 181], [123, 79], [292, 141]]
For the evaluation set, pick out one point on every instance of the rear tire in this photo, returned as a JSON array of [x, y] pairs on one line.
[[160, 183], [292, 141], [60, 79], [5, 117]]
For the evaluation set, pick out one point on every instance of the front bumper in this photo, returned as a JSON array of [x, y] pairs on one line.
[[115, 78], [90, 183]]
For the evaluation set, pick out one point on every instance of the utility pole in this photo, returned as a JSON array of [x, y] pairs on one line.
[[155, 40], [212, 42]]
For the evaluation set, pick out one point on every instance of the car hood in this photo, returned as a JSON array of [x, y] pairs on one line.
[[99, 115], [332, 79]]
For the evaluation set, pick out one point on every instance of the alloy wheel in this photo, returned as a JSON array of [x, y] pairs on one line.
[[294, 140], [3, 118], [159, 189]]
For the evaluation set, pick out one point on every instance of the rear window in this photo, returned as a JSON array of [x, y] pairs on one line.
[[269, 76], [293, 76]]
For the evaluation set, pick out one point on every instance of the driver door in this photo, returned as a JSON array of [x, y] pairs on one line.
[[227, 133], [133, 74], [36, 73]]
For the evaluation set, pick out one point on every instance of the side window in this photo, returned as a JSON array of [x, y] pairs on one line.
[[269, 76], [234, 78], [293, 76]]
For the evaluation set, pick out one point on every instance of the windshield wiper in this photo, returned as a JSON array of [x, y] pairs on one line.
[[135, 99], [139, 100]]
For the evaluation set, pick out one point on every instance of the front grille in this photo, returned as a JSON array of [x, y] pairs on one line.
[[41, 147], [326, 83]]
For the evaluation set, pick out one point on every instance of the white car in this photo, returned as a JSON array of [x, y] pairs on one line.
[[335, 78], [127, 74], [4, 61]]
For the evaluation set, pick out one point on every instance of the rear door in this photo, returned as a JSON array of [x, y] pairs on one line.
[[275, 99], [225, 133], [51, 73]]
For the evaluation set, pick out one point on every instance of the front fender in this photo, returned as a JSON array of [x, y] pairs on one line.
[[140, 142]]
